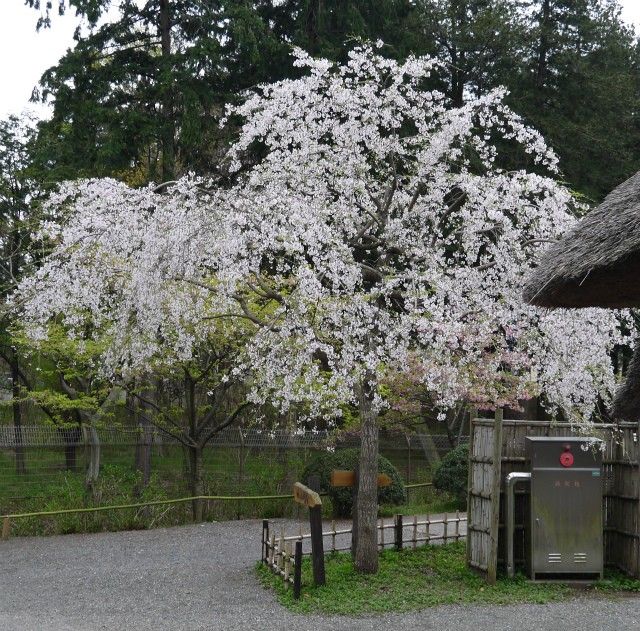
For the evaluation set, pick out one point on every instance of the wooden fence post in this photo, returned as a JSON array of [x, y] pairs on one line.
[[354, 519], [297, 570], [287, 562], [398, 532], [272, 551], [635, 457], [281, 550], [265, 540], [492, 568], [473, 415], [6, 527]]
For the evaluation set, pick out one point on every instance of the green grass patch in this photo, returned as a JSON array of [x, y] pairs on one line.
[[615, 581], [407, 580]]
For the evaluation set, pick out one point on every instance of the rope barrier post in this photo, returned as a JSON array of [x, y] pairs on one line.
[[297, 571], [6, 527]]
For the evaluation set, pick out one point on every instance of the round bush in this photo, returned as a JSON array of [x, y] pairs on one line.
[[451, 474], [347, 459]]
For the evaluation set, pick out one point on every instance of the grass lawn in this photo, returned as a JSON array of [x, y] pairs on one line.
[[416, 579]]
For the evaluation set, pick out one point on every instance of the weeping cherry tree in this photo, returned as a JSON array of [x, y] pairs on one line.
[[364, 229]]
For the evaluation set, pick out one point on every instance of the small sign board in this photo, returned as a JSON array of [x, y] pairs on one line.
[[348, 478], [305, 496]]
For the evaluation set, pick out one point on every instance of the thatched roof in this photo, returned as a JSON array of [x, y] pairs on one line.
[[597, 264], [626, 405]]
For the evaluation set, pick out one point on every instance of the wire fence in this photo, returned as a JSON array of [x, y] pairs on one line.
[[31, 436], [45, 468]]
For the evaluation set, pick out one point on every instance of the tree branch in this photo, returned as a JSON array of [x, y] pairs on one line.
[[228, 421]]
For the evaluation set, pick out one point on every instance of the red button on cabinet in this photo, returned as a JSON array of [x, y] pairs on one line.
[[566, 459]]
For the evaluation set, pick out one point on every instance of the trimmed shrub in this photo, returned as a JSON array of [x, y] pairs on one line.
[[452, 472], [342, 498]]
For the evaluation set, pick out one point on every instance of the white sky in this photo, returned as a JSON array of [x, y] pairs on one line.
[[25, 54]]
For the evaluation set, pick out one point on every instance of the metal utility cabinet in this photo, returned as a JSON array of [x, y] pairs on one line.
[[566, 508]]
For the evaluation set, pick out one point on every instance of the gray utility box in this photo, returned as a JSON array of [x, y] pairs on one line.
[[566, 508]]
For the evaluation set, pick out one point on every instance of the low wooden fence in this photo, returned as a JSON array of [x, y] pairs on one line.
[[497, 448], [280, 550]]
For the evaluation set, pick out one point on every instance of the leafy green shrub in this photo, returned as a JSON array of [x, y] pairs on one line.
[[347, 459], [451, 474]]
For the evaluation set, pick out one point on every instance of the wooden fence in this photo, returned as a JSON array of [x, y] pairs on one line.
[[497, 448], [278, 551]]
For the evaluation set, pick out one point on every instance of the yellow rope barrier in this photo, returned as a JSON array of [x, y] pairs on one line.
[[153, 503], [93, 509]]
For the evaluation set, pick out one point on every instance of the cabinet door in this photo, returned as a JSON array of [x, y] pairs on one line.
[[566, 521]]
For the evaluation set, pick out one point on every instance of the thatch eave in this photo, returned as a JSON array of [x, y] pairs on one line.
[[597, 264], [626, 404]]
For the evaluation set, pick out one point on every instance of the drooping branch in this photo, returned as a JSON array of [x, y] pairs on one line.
[[370, 274]]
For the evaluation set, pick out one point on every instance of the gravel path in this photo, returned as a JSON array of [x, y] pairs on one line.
[[201, 577]]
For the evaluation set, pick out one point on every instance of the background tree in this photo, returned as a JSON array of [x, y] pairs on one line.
[[58, 378], [140, 97], [571, 68], [140, 94], [18, 190], [328, 28], [579, 85], [165, 345], [479, 41]]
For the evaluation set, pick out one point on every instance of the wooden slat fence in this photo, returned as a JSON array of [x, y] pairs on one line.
[[621, 491], [405, 532]]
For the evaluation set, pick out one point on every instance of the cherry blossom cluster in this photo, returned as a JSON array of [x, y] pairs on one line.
[[367, 228]]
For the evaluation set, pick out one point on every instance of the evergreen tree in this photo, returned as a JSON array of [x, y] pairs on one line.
[[579, 84], [17, 190], [139, 97], [324, 27], [571, 67], [480, 41]]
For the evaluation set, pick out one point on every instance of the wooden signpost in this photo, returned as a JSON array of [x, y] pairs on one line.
[[341, 478], [310, 498], [348, 478], [305, 496]]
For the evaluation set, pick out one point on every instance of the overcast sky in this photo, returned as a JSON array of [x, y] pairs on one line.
[[25, 54]]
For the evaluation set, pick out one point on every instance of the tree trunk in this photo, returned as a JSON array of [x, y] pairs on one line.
[[71, 437], [312, 25], [543, 46], [366, 507], [21, 467], [195, 475], [195, 450], [143, 450], [166, 89]]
